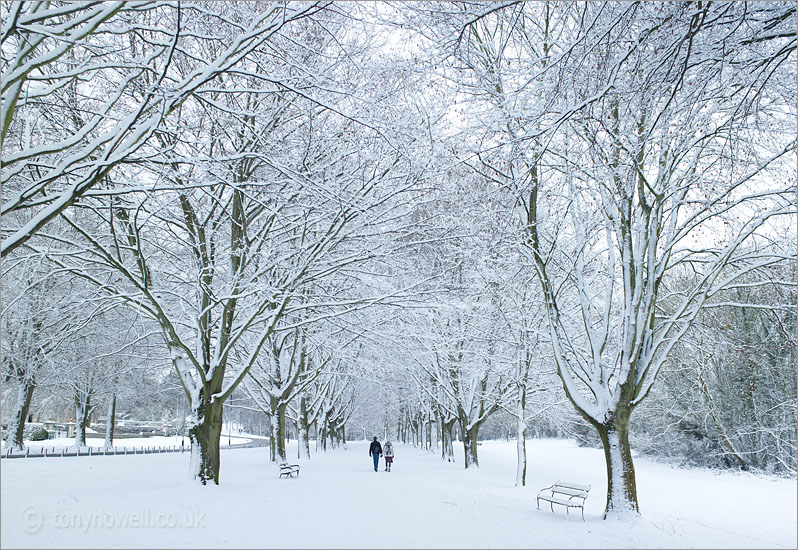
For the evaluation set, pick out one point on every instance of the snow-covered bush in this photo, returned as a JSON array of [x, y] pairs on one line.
[[34, 431]]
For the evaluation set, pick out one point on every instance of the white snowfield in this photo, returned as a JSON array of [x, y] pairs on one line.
[[338, 501]]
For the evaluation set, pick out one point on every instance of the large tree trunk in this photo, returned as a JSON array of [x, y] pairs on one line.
[[520, 474], [82, 408], [470, 446], [109, 423], [204, 433], [621, 485], [16, 425]]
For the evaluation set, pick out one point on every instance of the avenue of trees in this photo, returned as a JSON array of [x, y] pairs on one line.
[[430, 221]]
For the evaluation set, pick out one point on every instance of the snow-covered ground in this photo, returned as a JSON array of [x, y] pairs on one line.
[[340, 502]]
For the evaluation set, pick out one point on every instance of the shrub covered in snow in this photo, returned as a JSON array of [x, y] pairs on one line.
[[34, 431]]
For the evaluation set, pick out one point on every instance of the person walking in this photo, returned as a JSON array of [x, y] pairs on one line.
[[375, 450], [388, 450]]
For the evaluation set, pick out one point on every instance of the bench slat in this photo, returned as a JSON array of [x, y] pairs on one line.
[[570, 485], [569, 503], [569, 492]]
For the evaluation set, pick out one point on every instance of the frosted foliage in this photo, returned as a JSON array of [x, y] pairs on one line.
[[434, 222]]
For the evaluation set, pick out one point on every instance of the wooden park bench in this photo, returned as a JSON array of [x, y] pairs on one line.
[[570, 495], [289, 470]]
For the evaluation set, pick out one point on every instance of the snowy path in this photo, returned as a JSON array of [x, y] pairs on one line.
[[340, 502]]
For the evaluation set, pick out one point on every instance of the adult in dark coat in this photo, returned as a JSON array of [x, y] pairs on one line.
[[375, 450]]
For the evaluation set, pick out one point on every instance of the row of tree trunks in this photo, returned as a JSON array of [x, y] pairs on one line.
[[16, 428], [415, 429]]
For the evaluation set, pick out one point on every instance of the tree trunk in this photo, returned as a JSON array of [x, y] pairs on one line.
[[300, 439], [281, 433], [470, 446], [16, 425], [341, 435], [204, 433], [520, 474], [335, 436], [82, 408], [274, 430], [109, 422], [444, 439], [447, 440], [303, 430], [621, 485], [321, 435]]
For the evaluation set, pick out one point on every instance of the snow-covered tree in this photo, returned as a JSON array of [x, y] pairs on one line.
[[30, 323], [667, 175], [44, 311], [635, 142], [256, 190], [290, 363], [728, 395], [85, 85], [105, 351]]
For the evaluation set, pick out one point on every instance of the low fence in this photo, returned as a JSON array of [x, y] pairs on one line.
[[51, 452]]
